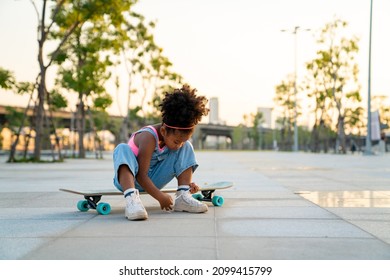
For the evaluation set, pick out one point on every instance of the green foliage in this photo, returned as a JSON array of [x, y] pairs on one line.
[[24, 87], [100, 119], [149, 72], [381, 103], [286, 107], [332, 83], [57, 100], [14, 118], [253, 121], [97, 34], [7, 79], [90, 38], [102, 101]]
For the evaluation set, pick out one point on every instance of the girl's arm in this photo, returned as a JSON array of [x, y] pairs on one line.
[[146, 144]]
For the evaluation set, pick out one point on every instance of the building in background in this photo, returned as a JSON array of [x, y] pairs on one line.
[[267, 116], [214, 111]]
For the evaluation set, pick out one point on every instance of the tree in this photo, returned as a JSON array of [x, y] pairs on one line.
[[321, 131], [254, 121], [67, 17], [138, 42], [381, 103], [150, 73], [85, 57], [86, 38], [333, 81], [285, 103], [16, 120], [44, 30]]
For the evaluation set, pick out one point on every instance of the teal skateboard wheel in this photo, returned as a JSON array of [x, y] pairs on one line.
[[103, 208], [218, 200], [197, 196], [82, 205]]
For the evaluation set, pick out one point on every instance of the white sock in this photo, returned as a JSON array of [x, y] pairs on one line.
[[128, 192]]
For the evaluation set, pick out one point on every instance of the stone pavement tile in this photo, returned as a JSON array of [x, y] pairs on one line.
[[239, 195], [21, 228], [307, 180], [274, 212], [309, 228], [349, 199], [73, 230], [49, 177], [127, 248], [41, 214], [14, 248], [379, 229], [293, 248], [31, 200], [380, 214], [25, 229], [158, 225], [265, 202], [19, 236], [376, 221]]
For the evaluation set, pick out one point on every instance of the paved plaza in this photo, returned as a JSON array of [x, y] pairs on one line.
[[283, 206]]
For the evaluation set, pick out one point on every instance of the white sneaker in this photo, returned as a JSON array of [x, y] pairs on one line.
[[134, 209], [184, 202]]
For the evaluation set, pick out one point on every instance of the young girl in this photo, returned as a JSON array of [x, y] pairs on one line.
[[156, 154]]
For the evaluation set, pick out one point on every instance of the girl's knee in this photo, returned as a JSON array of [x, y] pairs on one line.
[[121, 148]]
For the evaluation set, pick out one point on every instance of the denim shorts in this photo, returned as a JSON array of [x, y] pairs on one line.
[[163, 167]]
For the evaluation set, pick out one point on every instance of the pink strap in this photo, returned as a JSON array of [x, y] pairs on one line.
[[176, 127], [152, 128], [134, 147]]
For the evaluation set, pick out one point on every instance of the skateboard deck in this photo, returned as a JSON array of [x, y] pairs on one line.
[[92, 197]]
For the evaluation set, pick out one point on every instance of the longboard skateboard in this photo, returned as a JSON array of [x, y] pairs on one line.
[[92, 197]]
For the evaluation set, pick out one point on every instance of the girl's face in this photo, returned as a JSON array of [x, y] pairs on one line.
[[176, 139]]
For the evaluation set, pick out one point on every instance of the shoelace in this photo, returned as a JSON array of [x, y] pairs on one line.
[[134, 199]]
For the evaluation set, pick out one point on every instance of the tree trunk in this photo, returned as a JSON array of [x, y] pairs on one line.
[[124, 131], [80, 126], [39, 113], [341, 143], [315, 139]]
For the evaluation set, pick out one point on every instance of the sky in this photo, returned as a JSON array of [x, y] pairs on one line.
[[230, 49]]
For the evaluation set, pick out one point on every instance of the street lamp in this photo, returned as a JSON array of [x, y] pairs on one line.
[[295, 32], [368, 137]]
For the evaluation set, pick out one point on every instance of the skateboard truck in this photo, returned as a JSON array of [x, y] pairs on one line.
[[91, 202], [207, 195]]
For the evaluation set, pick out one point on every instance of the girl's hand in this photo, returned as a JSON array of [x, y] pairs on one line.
[[166, 201], [194, 188]]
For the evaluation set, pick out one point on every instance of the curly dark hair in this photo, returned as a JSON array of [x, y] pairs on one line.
[[183, 108]]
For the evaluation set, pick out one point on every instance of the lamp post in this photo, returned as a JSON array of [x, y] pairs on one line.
[[368, 150], [295, 32]]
